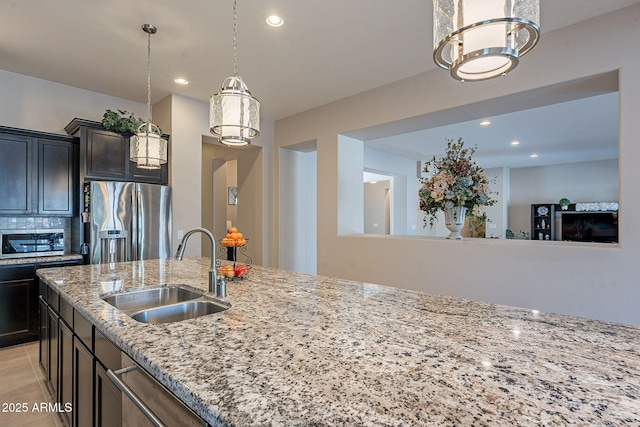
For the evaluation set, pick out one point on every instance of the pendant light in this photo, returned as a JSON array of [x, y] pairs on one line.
[[483, 39], [147, 147], [234, 115]]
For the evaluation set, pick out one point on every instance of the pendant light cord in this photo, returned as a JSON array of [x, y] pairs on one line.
[[235, 38], [148, 80]]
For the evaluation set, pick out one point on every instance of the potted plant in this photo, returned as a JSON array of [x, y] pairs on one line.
[[564, 203], [121, 121], [455, 185]]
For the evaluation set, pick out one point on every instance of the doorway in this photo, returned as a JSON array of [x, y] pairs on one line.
[[232, 195]]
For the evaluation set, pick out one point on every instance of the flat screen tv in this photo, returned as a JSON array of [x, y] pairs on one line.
[[590, 227]]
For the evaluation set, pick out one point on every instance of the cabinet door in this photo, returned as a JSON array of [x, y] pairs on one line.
[[44, 337], [52, 350], [18, 305], [152, 176], [55, 178], [108, 400], [82, 385], [106, 155], [65, 374], [16, 175]]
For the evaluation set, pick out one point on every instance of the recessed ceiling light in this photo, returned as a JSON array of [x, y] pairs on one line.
[[181, 81], [485, 123], [274, 21], [515, 143], [373, 182], [533, 156]]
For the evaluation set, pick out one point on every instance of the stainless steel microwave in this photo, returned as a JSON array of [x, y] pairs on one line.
[[31, 243]]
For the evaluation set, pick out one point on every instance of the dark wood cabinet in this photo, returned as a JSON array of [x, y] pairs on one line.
[[83, 373], [19, 289], [543, 221], [18, 305], [108, 400], [44, 336], [38, 174], [108, 397], [88, 373], [65, 373], [52, 342], [104, 155], [56, 183], [16, 174]]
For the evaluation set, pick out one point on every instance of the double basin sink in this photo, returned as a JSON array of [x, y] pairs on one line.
[[165, 304]]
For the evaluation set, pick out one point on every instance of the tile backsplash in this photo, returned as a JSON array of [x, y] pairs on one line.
[[33, 223]]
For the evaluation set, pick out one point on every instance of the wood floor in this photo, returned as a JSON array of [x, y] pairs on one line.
[[21, 382]]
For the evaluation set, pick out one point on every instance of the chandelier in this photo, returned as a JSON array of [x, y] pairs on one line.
[[234, 115], [147, 147], [483, 39]]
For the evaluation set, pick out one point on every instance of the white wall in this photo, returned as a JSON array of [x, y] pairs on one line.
[[36, 104], [189, 121], [298, 210], [584, 279], [579, 182], [350, 191]]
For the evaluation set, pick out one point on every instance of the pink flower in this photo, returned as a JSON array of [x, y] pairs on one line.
[[437, 195]]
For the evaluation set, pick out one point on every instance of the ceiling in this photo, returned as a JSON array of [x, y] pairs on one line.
[[580, 130], [325, 51]]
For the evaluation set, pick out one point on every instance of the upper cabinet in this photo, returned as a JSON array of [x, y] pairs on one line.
[[38, 173], [16, 174], [56, 173], [104, 155]]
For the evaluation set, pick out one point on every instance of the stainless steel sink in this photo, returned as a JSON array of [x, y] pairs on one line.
[[164, 304], [178, 312], [141, 299]]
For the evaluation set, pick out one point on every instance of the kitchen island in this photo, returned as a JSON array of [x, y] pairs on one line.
[[296, 349]]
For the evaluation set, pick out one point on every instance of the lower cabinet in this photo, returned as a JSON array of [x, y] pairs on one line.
[[82, 384], [98, 383], [19, 301], [108, 402], [65, 365], [18, 305], [54, 351], [44, 337]]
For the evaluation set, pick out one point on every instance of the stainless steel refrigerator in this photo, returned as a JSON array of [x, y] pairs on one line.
[[129, 221]]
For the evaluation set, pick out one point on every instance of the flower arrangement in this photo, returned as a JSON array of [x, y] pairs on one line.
[[454, 180]]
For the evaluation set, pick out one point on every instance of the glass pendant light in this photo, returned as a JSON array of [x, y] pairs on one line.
[[483, 39], [147, 147], [234, 115]]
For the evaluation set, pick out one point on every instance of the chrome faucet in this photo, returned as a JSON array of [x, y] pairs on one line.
[[215, 286]]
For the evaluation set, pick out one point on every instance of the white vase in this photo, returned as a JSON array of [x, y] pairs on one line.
[[454, 220]]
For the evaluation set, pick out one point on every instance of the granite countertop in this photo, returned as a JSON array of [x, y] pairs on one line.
[[304, 350], [40, 259]]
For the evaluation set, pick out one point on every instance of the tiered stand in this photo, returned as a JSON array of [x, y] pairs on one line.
[[235, 254]]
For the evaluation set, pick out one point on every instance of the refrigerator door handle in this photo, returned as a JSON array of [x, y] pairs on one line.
[[135, 218]]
